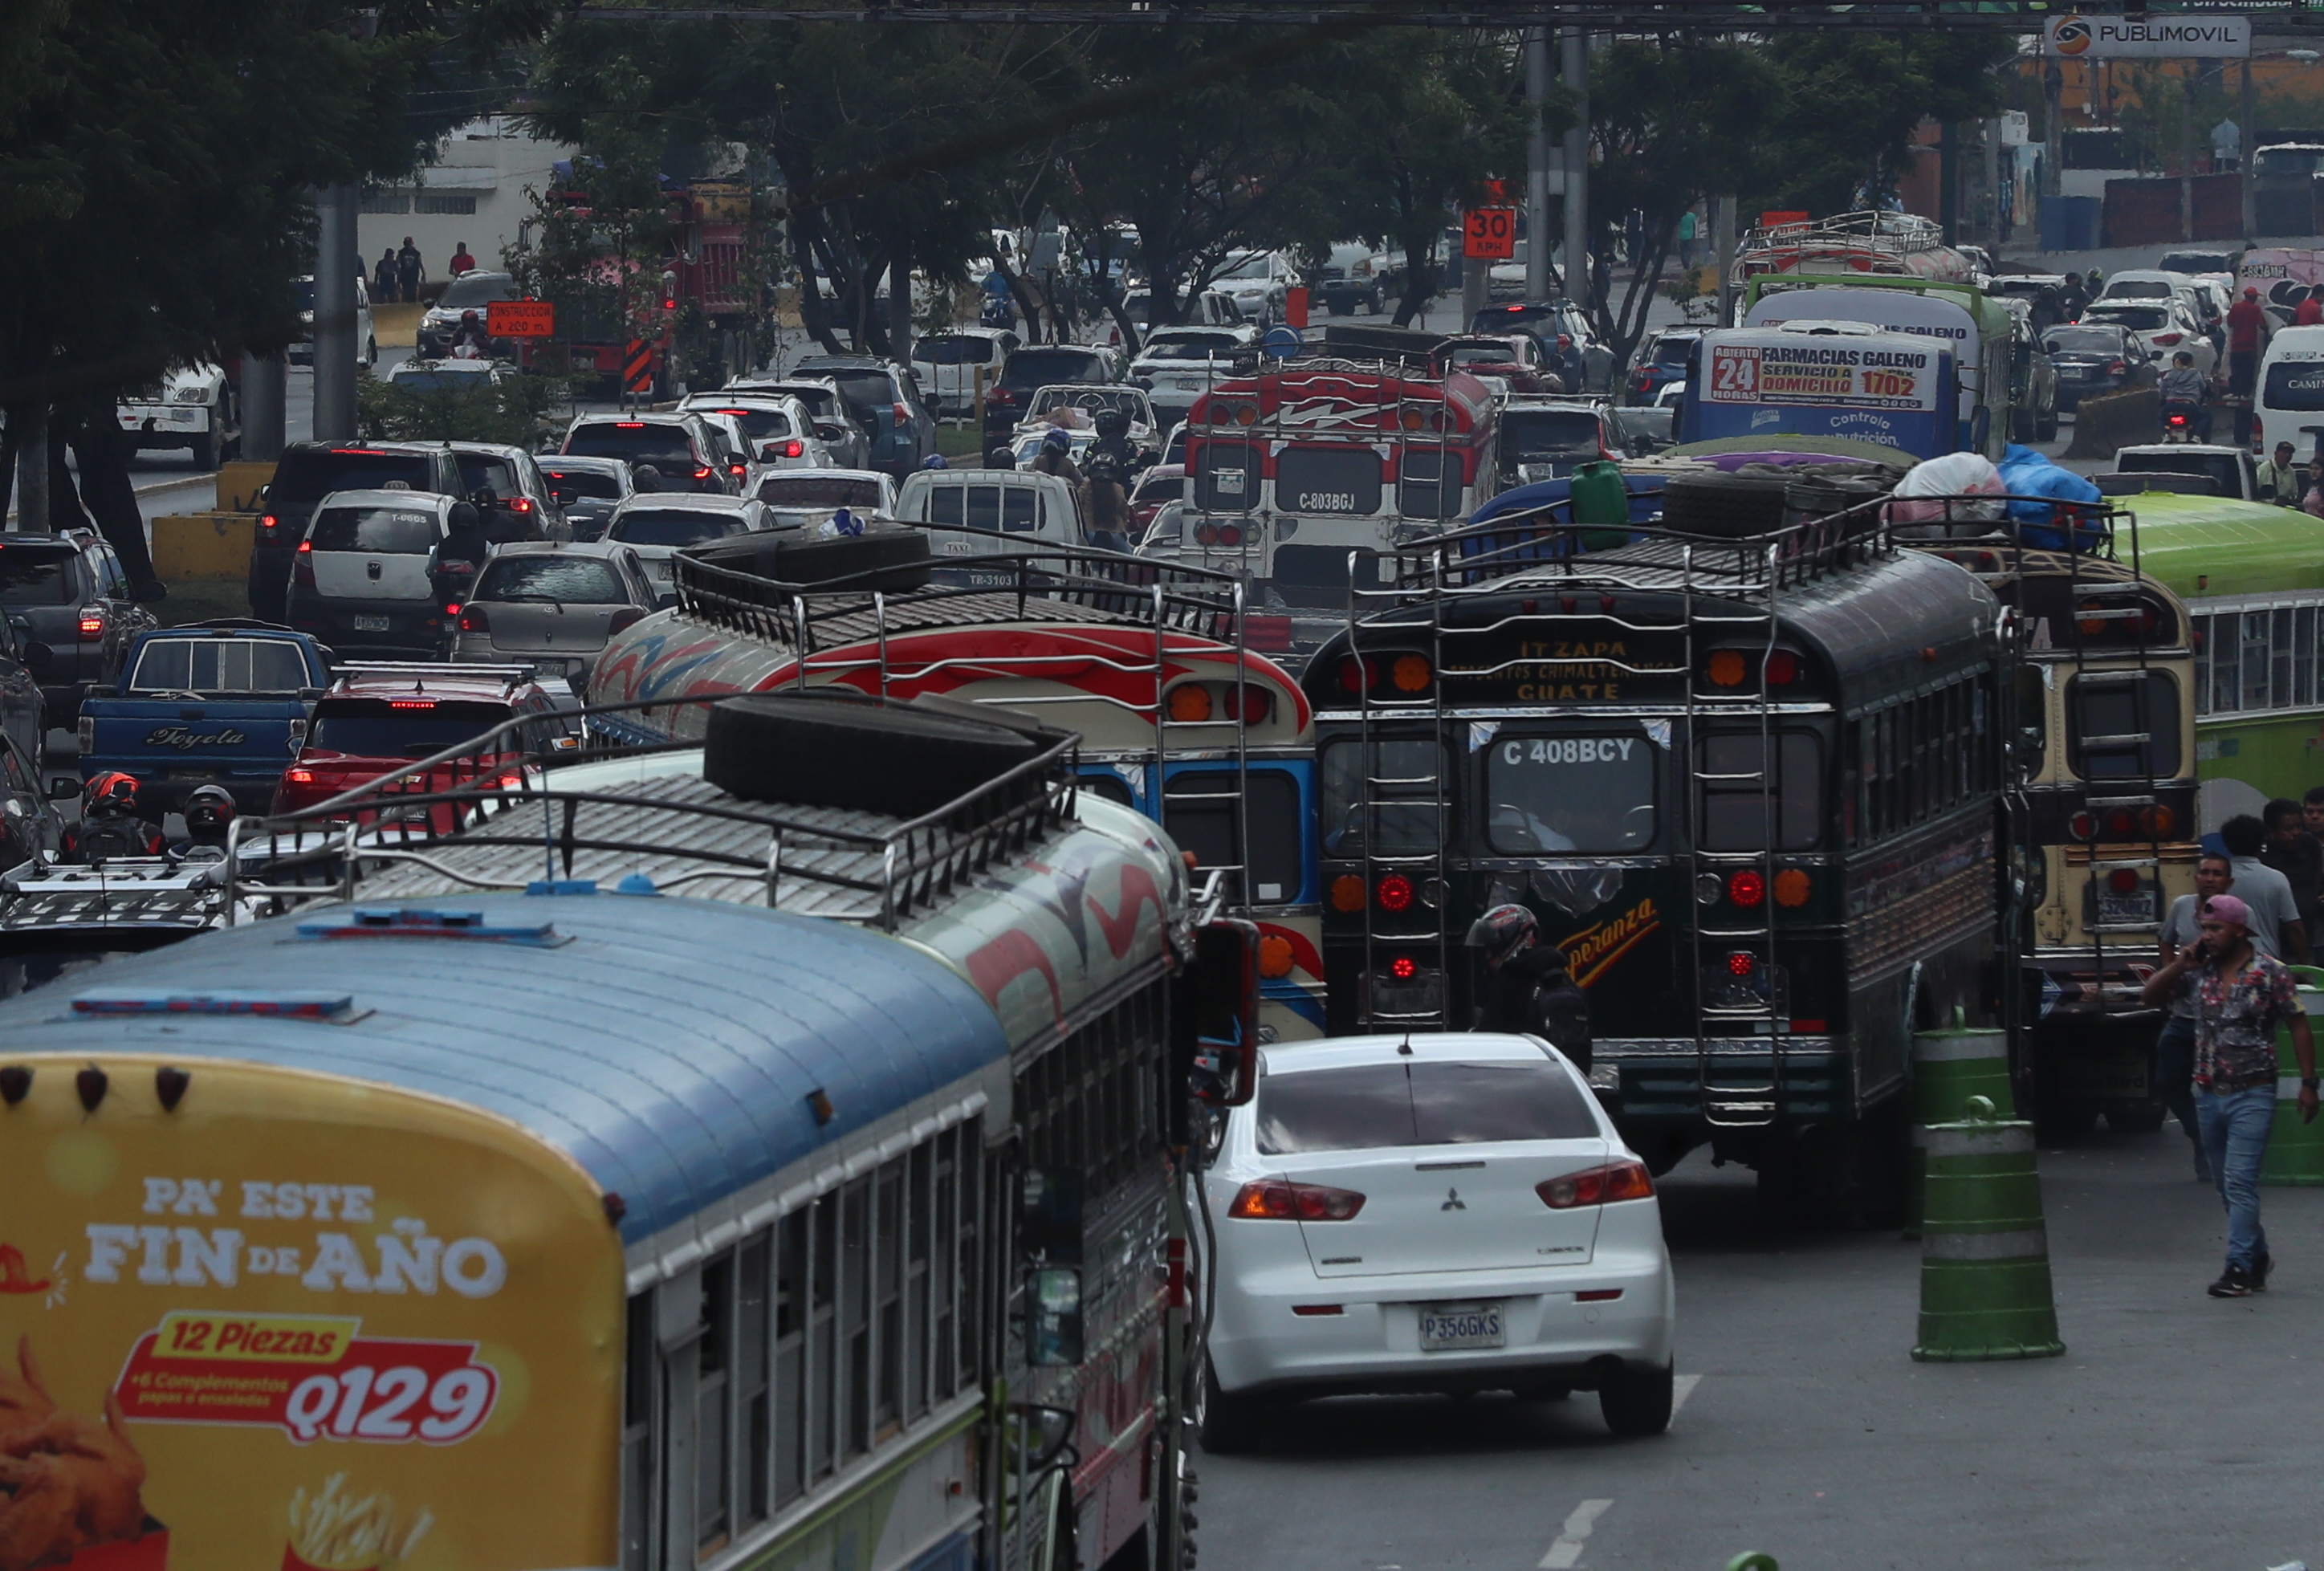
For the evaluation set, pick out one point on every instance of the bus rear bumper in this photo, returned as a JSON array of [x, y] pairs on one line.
[[1757, 1079]]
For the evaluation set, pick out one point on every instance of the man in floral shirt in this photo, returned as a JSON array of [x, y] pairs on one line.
[[2241, 997]]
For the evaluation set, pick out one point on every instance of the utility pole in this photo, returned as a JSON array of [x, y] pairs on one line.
[[1577, 167], [1991, 206], [1722, 232], [2053, 129], [2187, 150], [262, 416], [1538, 180], [2246, 139], [334, 314]]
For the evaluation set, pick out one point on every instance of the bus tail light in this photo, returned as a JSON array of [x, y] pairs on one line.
[[1783, 669], [1598, 1187], [1280, 1200], [1229, 534], [2082, 826], [1356, 675], [2123, 881], [1395, 893], [1747, 888], [1190, 703], [1403, 968], [1793, 887], [2161, 822], [1250, 703], [1347, 894], [1726, 667], [1742, 963], [1410, 673], [2121, 824]]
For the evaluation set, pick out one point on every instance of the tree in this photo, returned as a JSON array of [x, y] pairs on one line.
[[1836, 138], [1428, 117], [154, 170]]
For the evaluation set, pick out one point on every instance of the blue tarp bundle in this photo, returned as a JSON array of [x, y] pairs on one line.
[[2054, 524]]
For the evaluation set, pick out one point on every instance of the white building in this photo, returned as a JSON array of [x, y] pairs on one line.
[[474, 192]]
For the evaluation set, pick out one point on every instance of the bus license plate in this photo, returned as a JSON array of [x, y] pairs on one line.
[[1450, 1327], [2118, 909], [371, 623]]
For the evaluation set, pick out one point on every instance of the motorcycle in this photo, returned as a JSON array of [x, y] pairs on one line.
[[2181, 422]]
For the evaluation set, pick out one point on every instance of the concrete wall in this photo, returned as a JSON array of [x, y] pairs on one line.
[[480, 172], [2145, 212]]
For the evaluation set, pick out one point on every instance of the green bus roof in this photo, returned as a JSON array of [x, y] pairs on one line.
[[1989, 314], [2200, 548]]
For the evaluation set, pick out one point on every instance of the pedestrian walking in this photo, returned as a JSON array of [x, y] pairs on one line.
[[461, 261], [2241, 997], [2174, 1049], [1686, 225], [409, 271], [2312, 811], [2280, 478], [2297, 854], [1528, 989], [384, 289]]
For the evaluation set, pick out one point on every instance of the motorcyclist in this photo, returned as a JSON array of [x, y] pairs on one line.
[[469, 339], [110, 825], [1528, 988], [1056, 457], [935, 461], [209, 819], [2181, 390], [2074, 297], [1106, 500], [1567, 363]]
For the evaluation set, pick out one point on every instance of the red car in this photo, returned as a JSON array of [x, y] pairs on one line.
[[1157, 486], [377, 719]]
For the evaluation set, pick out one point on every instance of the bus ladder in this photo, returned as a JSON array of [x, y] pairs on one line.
[[2137, 793], [1728, 1101], [1432, 888]]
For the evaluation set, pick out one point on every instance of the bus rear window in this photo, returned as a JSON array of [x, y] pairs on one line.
[[1557, 795], [1201, 810], [1405, 817], [1328, 480], [1739, 803], [2118, 730]]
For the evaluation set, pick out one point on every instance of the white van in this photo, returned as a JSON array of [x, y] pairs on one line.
[[2288, 405], [987, 511]]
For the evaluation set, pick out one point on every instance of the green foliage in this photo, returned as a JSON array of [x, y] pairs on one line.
[[520, 412], [1834, 137], [154, 165]]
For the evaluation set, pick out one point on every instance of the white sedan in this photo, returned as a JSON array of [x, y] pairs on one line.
[[1447, 1212]]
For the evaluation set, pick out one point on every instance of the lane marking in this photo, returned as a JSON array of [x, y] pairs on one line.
[[1567, 1550], [1681, 1388]]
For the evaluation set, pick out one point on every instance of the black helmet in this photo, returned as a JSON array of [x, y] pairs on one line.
[[1502, 931], [1111, 422], [210, 808]]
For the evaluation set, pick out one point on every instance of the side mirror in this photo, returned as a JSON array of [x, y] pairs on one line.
[[1053, 1317], [62, 787], [1226, 1013]]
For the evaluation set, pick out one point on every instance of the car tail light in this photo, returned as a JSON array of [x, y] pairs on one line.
[[629, 425], [521, 505], [2117, 368], [903, 415], [92, 622], [1746, 888], [1000, 396], [411, 703], [299, 776], [794, 449], [1598, 1187], [474, 620], [2168, 337], [1395, 893], [627, 617], [269, 522], [1280, 1200], [702, 471], [302, 566]]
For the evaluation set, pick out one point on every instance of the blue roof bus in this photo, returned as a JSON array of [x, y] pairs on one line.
[[739, 1179]]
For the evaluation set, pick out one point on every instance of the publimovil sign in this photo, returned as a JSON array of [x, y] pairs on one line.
[[2147, 37]]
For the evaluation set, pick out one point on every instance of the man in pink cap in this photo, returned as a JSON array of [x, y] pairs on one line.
[[2241, 996]]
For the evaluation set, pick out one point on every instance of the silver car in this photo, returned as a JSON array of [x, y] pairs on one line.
[[803, 498], [588, 489], [552, 605], [657, 528]]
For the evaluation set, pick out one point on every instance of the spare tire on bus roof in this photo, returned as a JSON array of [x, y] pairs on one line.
[[805, 751], [1726, 506], [1815, 495]]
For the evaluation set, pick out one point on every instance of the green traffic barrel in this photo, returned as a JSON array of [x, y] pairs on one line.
[[1949, 1067], [2295, 1151], [1985, 1253]]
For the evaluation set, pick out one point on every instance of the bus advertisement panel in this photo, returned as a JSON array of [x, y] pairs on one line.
[[292, 1320], [1974, 326], [1883, 388]]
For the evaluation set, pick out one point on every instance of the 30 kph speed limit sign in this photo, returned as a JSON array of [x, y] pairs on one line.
[[1490, 234]]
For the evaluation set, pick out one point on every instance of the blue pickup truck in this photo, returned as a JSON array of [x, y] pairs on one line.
[[222, 703]]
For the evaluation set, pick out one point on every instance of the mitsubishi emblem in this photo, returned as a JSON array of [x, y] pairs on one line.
[[1453, 1201]]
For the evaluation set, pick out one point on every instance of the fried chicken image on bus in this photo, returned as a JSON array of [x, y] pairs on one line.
[[67, 1481]]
